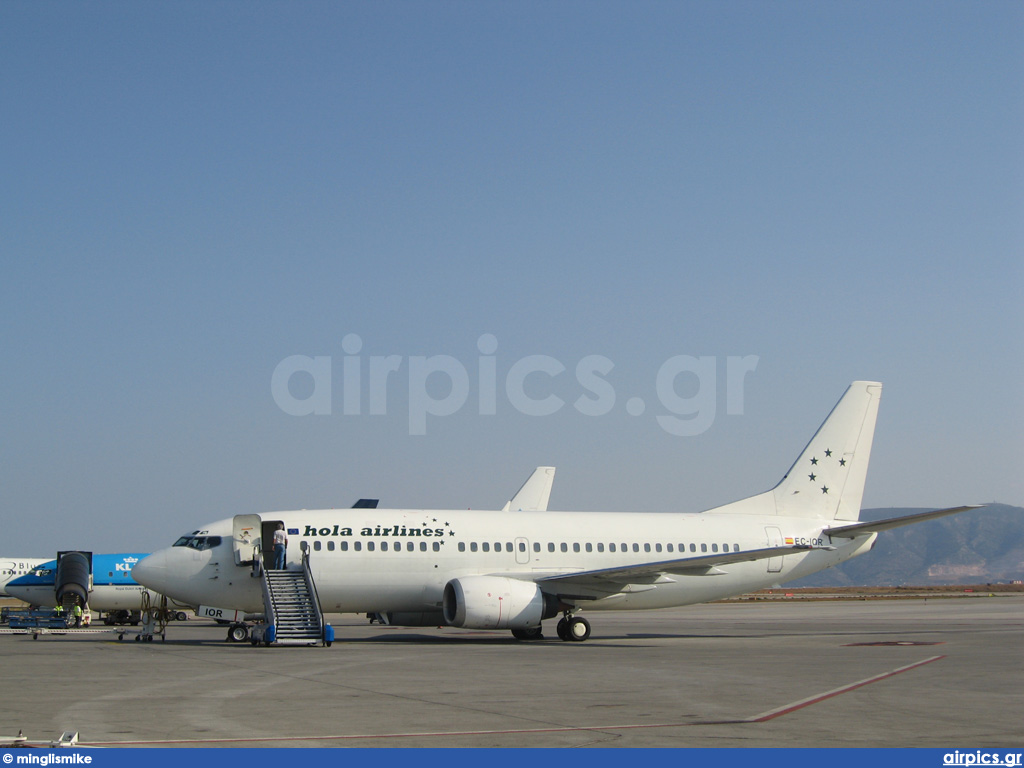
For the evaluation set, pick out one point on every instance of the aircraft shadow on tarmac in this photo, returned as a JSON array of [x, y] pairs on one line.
[[628, 639]]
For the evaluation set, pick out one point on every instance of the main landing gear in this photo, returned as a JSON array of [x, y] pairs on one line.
[[533, 633], [570, 627], [574, 628]]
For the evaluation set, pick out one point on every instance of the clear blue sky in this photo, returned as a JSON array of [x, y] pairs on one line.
[[194, 192]]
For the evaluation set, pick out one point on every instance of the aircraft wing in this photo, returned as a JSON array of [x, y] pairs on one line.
[[859, 529], [534, 494], [650, 572]]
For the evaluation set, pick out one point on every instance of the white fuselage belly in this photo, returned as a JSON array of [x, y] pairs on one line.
[[413, 580]]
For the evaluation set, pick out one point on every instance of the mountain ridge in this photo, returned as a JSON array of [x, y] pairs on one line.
[[981, 546]]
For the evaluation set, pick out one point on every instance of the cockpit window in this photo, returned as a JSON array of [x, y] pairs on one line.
[[198, 542]]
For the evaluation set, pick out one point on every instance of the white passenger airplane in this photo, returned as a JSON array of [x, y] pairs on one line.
[[513, 569]]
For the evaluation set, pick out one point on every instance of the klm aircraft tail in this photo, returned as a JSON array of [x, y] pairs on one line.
[[827, 481]]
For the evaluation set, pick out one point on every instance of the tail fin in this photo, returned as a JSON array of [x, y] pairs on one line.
[[827, 481], [534, 494]]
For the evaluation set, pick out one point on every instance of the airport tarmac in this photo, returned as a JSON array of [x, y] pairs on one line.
[[904, 673]]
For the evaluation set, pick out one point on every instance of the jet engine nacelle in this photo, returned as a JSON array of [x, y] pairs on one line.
[[496, 602]]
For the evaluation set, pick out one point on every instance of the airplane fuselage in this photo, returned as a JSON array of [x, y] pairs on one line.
[[401, 560]]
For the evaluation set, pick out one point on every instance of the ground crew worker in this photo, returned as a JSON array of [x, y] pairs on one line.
[[77, 611]]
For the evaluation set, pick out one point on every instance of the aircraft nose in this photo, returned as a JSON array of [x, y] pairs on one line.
[[17, 588], [153, 572]]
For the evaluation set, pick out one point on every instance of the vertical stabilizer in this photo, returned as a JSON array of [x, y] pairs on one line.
[[534, 495], [827, 481]]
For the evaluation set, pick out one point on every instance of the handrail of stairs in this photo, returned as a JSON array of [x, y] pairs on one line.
[[311, 584], [258, 570], [257, 561]]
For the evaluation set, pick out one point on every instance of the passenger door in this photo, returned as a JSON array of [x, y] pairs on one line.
[[245, 538]]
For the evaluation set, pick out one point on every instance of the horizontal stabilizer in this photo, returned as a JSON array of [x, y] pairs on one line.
[[860, 529]]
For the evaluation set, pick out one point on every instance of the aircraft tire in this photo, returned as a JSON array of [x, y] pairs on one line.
[[562, 628], [578, 629], [533, 633]]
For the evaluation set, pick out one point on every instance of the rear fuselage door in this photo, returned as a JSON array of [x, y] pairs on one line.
[[774, 540], [246, 538]]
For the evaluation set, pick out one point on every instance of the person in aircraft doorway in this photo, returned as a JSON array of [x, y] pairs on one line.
[[280, 547]]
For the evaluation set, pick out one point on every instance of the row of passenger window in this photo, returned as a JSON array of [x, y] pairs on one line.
[[357, 546], [485, 546], [508, 546]]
